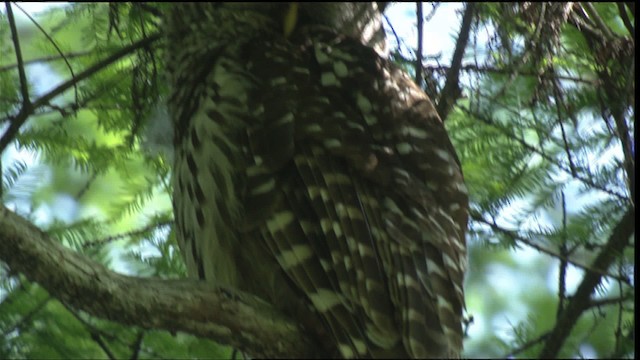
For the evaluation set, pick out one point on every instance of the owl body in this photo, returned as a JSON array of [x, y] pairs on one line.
[[311, 172]]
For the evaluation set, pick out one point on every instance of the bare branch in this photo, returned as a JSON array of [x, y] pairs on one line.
[[564, 252], [420, 26], [486, 69], [622, 10], [560, 102], [227, 316], [136, 346], [581, 300], [24, 86], [526, 346], [66, 61], [593, 14], [611, 301], [451, 90], [94, 333], [399, 42], [514, 235], [24, 319], [112, 238]]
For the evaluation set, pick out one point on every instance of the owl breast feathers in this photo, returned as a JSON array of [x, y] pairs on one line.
[[315, 174]]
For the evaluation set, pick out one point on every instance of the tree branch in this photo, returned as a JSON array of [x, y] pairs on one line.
[[512, 354], [585, 179], [625, 19], [451, 90], [420, 28], [442, 69], [607, 49], [136, 346], [26, 317], [55, 46], [24, 86], [515, 237], [581, 300], [112, 238], [227, 316]]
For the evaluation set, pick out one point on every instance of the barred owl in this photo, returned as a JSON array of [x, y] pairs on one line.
[[311, 172]]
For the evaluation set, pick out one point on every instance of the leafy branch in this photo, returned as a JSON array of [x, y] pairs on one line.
[[28, 107], [581, 300], [521, 239], [49, 58], [520, 140]]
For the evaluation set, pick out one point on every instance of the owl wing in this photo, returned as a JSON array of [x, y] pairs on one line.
[[355, 189]]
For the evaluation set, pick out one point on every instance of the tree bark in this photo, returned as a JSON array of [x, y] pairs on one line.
[[224, 315]]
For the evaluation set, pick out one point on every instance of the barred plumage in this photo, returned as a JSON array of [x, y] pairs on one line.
[[311, 172]]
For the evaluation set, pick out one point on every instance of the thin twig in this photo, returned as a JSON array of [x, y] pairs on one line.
[[26, 317], [24, 86], [582, 21], [432, 13], [420, 25], [604, 29], [83, 190], [611, 301], [451, 90], [567, 149], [526, 346], [619, 321], [562, 280], [94, 332], [103, 345], [544, 155], [477, 68], [514, 235], [124, 235], [137, 345], [66, 61], [46, 59], [625, 19], [399, 41]]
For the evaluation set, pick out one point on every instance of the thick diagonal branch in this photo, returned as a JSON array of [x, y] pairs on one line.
[[581, 300], [451, 90], [227, 316]]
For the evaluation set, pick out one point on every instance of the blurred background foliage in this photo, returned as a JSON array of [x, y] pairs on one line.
[[543, 124]]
